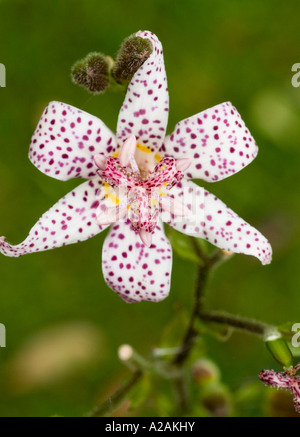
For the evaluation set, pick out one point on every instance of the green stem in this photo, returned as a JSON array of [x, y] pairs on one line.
[[236, 322], [182, 392], [191, 334], [112, 402]]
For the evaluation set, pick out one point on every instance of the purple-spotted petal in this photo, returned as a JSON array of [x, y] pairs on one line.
[[296, 393], [283, 380], [216, 140], [65, 141], [70, 220], [134, 271], [145, 109], [213, 221], [275, 379]]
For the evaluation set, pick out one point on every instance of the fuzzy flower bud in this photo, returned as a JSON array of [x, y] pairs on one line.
[[133, 53], [217, 400], [92, 73], [205, 371]]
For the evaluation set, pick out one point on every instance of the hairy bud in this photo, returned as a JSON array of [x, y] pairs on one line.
[[217, 400], [205, 371], [92, 73], [133, 53]]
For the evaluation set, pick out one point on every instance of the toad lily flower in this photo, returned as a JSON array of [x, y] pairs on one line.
[[288, 380], [138, 179]]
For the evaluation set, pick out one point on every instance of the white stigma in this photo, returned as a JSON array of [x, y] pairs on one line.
[[127, 150], [100, 161], [183, 164], [146, 237]]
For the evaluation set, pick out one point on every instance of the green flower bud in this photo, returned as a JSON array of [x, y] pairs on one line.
[[279, 349], [133, 53], [205, 371], [217, 400], [92, 73]]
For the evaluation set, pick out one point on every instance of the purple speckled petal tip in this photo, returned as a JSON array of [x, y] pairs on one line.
[[284, 380], [217, 142], [144, 112], [65, 141], [134, 271], [213, 221], [70, 220], [275, 379]]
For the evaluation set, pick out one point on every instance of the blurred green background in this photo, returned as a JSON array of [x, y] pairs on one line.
[[63, 323]]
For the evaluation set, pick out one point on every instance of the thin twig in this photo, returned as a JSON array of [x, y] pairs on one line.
[[191, 334], [180, 385], [113, 401], [239, 323], [198, 250]]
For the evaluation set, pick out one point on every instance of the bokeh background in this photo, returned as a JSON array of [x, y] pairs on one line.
[[64, 325]]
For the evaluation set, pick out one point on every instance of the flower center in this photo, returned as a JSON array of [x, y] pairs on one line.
[[144, 189]]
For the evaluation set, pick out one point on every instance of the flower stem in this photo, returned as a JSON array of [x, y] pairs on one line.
[[182, 393], [206, 264], [191, 334], [239, 323], [113, 401]]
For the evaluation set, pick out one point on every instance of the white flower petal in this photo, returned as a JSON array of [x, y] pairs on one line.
[[213, 221], [65, 141], [72, 219], [134, 271], [145, 109], [217, 142]]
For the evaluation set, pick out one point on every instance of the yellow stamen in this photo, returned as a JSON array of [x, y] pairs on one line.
[[109, 195], [143, 148]]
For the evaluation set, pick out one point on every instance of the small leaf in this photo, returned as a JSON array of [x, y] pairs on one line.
[[139, 394], [173, 331], [183, 245], [219, 331]]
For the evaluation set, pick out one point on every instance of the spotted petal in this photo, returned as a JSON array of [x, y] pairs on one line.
[[217, 142], [275, 379], [296, 393], [213, 221], [145, 109], [70, 220], [134, 271], [65, 141]]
